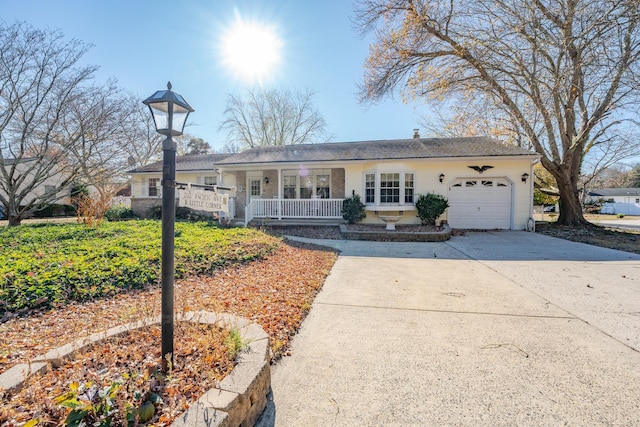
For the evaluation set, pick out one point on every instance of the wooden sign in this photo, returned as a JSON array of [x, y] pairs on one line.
[[208, 201]]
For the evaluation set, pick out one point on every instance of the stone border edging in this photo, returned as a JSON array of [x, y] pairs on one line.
[[239, 398], [398, 236]]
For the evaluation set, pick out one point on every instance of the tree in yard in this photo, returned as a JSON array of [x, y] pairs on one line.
[[633, 178], [40, 79], [140, 141], [564, 74], [272, 117], [197, 146]]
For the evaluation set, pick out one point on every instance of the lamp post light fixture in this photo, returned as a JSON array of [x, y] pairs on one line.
[[170, 112]]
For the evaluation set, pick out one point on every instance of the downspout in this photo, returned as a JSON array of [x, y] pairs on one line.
[[531, 222]]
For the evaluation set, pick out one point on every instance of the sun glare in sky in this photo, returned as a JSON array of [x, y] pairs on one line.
[[251, 50]]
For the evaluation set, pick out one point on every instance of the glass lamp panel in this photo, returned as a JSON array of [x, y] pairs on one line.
[[160, 115], [179, 119]]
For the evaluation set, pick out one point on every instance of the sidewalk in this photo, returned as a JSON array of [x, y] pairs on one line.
[[488, 329]]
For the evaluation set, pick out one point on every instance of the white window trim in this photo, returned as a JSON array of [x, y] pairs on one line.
[[377, 205], [311, 172], [148, 186]]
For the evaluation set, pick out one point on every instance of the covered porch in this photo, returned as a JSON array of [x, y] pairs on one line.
[[294, 209]]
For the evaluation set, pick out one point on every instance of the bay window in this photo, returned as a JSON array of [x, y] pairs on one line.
[[389, 188], [370, 188]]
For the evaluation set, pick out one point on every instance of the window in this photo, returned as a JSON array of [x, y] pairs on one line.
[[154, 184], [322, 186], [306, 187], [211, 180], [48, 189], [389, 188], [370, 188], [314, 184], [289, 190], [408, 188]]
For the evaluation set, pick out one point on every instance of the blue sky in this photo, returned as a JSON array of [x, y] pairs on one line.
[[144, 43]]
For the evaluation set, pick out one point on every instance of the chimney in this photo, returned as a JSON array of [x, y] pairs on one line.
[[416, 133]]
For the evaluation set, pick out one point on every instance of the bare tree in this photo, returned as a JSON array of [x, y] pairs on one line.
[[40, 78], [471, 118], [272, 117], [564, 73], [140, 141]]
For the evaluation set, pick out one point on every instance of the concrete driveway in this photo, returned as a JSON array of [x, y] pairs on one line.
[[487, 329]]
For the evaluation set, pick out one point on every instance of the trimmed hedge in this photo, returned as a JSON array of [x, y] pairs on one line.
[[43, 265]]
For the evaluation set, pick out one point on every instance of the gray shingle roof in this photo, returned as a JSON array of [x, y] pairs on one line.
[[193, 162], [414, 148], [611, 192]]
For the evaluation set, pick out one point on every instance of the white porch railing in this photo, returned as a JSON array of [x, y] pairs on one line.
[[294, 208]]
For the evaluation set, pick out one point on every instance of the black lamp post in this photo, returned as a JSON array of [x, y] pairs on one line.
[[170, 112]]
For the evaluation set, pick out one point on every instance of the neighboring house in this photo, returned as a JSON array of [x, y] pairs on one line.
[[488, 184], [24, 168], [146, 191], [616, 200], [614, 195]]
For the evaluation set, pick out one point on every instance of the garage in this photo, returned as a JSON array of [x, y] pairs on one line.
[[476, 203]]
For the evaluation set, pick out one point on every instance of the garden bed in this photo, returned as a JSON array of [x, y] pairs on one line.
[[402, 233], [106, 378]]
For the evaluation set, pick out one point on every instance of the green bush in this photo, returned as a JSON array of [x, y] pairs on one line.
[[182, 213], [46, 265], [188, 214], [353, 209], [154, 212], [119, 213], [54, 210], [430, 206]]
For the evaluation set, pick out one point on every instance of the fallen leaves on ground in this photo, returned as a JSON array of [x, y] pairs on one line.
[[276, 292], [605, 237]]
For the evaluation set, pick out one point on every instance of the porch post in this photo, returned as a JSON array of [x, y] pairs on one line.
[[280, 201]]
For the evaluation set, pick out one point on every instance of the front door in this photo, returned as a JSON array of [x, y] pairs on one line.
[[254, 188]]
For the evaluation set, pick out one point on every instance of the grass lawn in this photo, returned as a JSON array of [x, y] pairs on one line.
[[59, 282]]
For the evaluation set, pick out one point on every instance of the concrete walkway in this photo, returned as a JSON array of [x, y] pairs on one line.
[[487, 329]]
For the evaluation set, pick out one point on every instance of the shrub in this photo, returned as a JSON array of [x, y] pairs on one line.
[[430, 206], [154, 212], [119, 213], [189, 214], [182, 213], [353, 209], [54, 210]]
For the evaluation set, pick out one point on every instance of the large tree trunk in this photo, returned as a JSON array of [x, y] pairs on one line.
[[14, 220], [570, 206]]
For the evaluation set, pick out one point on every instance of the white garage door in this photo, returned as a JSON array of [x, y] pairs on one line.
[[480, 203]]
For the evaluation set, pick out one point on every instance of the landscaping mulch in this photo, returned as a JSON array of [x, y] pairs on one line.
[[276, 292]]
